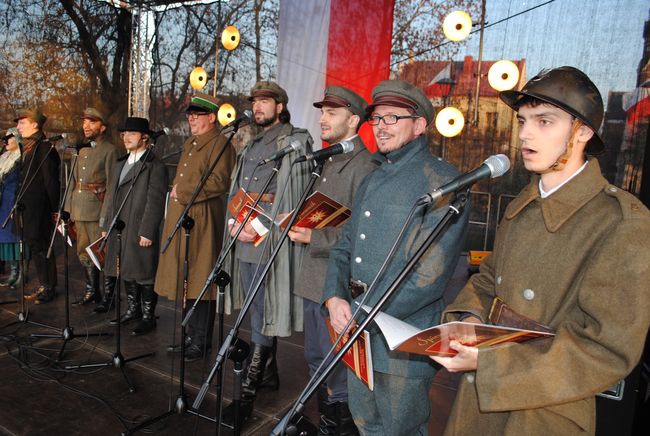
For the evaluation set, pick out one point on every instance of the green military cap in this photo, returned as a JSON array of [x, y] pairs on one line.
[[33, 114], [93, 114], [337, 96], [202, 102], [401, 94], [266, 88]]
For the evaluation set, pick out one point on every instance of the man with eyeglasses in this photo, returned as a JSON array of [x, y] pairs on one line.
[[208, 213], [275, 310], [399, 403]]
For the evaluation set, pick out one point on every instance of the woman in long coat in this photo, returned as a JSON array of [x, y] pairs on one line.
[[142, 215], [10, 164]]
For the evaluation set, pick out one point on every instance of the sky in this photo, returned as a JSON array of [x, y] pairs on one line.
[[604, 38]]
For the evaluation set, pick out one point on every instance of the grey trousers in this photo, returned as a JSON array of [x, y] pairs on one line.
[[397, 406]]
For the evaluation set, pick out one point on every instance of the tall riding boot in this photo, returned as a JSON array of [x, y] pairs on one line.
[[271, 379], [133, 306], [250, 385], [92, 287], [335, 416], [109, 292], [149, 300], [14, 272]]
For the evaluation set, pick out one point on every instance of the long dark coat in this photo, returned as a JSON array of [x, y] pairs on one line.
[[41, 196], [579, 262], [142, 214], [208, 213], [8, 186]]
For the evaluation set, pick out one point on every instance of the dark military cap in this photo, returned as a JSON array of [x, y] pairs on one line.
[[266, 88], [202, 102], [136, 124], [93, 114], [337, 96], [401, 94], [33, 114]]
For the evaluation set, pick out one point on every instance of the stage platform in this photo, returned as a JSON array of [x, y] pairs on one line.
[[39, 397]]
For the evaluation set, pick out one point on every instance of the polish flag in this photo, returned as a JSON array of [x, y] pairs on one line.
[[332, 42]]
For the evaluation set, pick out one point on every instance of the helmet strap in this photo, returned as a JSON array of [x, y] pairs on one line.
[[561, 161]]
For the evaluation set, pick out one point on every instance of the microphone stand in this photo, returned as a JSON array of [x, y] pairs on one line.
[[286, 426], [232, 335], [17, 210], [184, 220], [63, 217], [117, 360]]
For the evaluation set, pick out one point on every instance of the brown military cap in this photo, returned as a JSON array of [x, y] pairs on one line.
[[337, 96], [266, 88], [33, 114], [202, 102], [401, 94], [93, 114]]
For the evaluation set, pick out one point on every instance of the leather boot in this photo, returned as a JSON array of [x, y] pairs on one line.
[[250, 385], [133, 307], [271, 379], [109, 292], [148, 321], [13, 277], [92, 287], [335, 417]]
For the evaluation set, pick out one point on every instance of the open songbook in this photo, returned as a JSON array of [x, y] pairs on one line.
[[319, 211], [435, 340]]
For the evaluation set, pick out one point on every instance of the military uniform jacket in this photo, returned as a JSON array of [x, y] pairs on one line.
[[381, 206], [342, 174], [94, 165], [142, 215], [282, 309], [208, 213], [579, 262]]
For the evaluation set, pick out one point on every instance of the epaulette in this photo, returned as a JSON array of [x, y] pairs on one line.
[[631, 207]]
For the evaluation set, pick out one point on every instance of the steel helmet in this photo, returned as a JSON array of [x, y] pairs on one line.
[[569, 89]]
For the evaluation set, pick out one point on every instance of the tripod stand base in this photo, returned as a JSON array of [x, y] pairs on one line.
[[180, 407], [116, 361]]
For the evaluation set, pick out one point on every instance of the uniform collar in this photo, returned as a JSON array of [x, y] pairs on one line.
[[201, 141], [404, 153], [270, 135], [560, 206]]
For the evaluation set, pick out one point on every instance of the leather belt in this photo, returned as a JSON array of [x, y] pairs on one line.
[[357, 287], [92, 187], [266, 198]]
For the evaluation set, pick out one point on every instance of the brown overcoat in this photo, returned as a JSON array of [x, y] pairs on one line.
[[208, 213], [579, 262]]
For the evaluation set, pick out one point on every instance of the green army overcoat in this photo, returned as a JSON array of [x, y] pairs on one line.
[[208, 213], [579, 262]]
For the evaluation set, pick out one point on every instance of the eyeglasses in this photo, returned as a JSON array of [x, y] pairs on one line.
[[194, 115], [389, 119]]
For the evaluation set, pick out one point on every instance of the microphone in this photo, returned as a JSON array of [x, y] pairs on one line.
[[493, 166], [81, 145], [159, 133], [234, 124], [294, 146], [321, 155], [57, 137]]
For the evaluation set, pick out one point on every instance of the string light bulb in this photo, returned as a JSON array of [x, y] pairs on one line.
[[198, 78], [450, 122], [503, 75], [226, 114], [230, 38], [457, 25]]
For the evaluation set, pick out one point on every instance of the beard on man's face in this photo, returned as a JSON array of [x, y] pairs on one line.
[[266, 121]]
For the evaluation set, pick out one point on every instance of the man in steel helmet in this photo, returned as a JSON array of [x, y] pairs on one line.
[[573, 254]]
